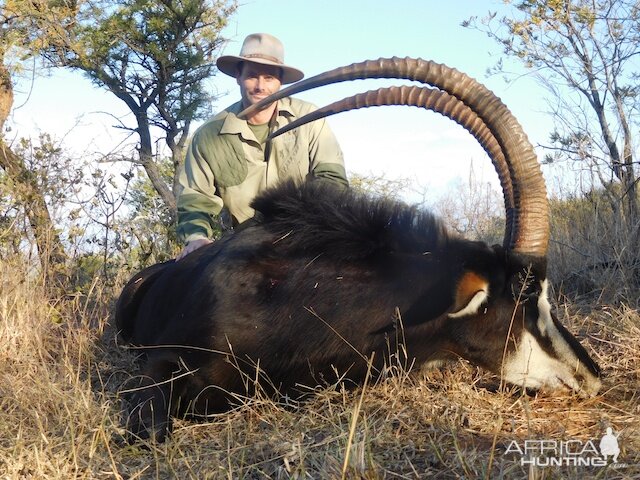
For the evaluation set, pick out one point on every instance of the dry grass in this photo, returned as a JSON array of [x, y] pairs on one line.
[[60, 371]]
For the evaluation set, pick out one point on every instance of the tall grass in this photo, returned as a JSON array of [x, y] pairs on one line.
[[594, 250], [61, 370]]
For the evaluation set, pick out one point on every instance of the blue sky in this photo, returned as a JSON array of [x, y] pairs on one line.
[[397, 142]]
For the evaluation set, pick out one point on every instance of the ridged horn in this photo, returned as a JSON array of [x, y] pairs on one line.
[[434, 100], [529, 232]]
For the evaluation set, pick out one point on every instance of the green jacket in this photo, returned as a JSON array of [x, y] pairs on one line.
[[225, 166]]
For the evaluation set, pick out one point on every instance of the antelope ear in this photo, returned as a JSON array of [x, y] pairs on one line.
[[471, 292]]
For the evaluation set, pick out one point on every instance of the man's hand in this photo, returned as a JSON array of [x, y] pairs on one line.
[[192, 246]]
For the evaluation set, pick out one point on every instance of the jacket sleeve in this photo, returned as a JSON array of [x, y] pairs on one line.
[[325, 155], [198, 203]]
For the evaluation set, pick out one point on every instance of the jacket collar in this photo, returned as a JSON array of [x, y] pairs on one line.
[[233, 125]]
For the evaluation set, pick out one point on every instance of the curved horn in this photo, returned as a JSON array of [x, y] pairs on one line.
[[530, 231], [439, 102]]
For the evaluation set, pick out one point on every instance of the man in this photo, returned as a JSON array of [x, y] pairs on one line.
[[229, 160]]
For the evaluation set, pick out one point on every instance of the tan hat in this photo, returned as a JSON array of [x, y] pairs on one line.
[[260, 48]]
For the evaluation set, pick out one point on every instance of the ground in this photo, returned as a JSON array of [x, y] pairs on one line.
[[61, 371]]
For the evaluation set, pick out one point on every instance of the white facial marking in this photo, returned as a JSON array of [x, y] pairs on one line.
[[474, 304], [544, 309], [532, 367]]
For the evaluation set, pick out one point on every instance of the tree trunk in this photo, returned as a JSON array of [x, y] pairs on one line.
[[146, 158], [159, 184], [177, 153]]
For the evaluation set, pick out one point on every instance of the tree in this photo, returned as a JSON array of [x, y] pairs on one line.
[[379, 186], [56, 176], [153, 55], [151, 235], [22, 183], [473, 209], [586, 53]]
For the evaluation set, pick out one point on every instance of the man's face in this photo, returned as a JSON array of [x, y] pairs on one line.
[[257, 82]]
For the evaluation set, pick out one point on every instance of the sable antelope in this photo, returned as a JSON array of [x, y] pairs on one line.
[[326, 277]]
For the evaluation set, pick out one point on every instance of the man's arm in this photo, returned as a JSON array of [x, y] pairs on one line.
[[192, 246], [325, 154], [197, 202]]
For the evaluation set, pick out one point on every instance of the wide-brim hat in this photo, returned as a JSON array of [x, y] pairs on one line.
[[260, 48]]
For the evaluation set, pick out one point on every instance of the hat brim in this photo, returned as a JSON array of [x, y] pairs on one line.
[[228, 64]]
